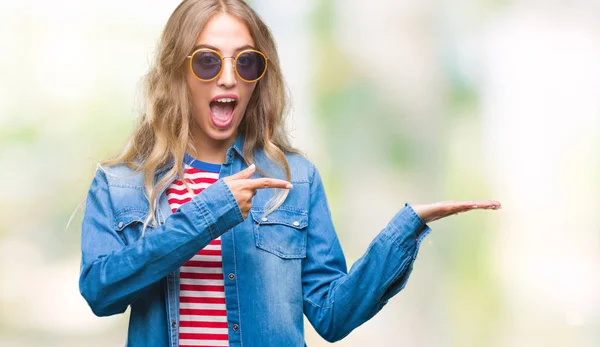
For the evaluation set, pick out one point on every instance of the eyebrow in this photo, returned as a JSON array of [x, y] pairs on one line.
[[197, 47]]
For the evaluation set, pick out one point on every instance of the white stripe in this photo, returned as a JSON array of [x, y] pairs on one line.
[[213, 175], [201, 270], [192, 330], [196, 173], [196, 306], [202, 257], [201, 282], [184, 196], [204, 342], [180, 195], [199, 294], [175, 206], [213, 247], [194, 318]]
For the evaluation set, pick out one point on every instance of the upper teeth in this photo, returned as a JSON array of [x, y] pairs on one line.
[[225, 100]]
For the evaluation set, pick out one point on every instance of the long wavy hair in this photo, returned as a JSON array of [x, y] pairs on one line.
[[163, 132]]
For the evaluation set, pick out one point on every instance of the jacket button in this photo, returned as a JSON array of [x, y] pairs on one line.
[[235, 327], [296, 223], [121, 224], [231, 276], [264, 219], [173, 324]]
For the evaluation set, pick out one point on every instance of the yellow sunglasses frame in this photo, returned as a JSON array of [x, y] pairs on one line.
[[190, 57]]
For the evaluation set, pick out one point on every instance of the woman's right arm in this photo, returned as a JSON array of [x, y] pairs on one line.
[[113, 274]]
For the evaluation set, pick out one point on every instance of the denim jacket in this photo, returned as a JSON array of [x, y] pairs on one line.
[[276, 268]]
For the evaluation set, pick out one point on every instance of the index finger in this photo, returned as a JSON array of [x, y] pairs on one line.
[[265, 182]]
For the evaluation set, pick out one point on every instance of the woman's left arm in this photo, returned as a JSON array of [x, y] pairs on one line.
[[336, 301]]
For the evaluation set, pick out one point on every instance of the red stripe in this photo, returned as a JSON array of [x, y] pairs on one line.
[[201, 263], [180, 190], [202, 312], [200, 276], [215, 242], [210, 252], [196, 324], [177, 187], [178, 201], [202, 288], [200, 300], [175, 197], [191, 169], [203, 336], [195, 171], [178, 184]]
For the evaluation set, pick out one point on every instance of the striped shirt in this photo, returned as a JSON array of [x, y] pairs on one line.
[[202, 313]]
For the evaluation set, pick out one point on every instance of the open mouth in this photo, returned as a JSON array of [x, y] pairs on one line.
[[222, 111]]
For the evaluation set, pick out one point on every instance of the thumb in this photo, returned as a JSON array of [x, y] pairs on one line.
[[244, 174]]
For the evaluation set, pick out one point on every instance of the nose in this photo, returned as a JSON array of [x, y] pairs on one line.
[[227, 79]]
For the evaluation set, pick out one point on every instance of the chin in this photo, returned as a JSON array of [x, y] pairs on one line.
[[219, 134]]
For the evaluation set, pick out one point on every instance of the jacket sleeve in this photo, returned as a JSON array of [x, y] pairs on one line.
[[337, 301], [113, 274]]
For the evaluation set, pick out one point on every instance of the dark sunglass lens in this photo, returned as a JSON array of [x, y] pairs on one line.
[[206, 65], [251, 65]]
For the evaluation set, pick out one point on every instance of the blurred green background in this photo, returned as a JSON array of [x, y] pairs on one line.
[[394, 101]]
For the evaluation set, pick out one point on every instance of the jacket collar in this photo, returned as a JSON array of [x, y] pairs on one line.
[[238, 146]]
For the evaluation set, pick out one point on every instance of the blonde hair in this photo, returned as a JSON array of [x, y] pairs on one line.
[[163, 132]]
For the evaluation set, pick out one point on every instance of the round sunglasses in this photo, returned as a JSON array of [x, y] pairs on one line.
[[207, 64]]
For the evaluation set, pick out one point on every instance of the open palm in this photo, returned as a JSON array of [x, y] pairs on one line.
[[439, 210]]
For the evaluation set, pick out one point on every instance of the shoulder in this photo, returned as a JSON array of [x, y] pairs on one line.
[[121, 176], [120, 189]]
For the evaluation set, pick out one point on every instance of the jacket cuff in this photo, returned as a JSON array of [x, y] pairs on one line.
[[407, 230], [218, 207]]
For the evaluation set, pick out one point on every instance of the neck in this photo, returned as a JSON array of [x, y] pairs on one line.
[[210, 150]]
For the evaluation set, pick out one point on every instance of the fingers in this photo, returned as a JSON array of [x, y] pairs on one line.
[[442, 209], [260, 183], [244, 174], [454, 207], [486, 204]]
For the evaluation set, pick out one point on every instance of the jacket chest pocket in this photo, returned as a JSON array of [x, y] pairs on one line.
[[128, 225], [283, 232]]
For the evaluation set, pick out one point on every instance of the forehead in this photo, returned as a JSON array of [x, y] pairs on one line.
[[225, 32]]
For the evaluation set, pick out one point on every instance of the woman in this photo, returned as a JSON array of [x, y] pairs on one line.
[[190, 227]]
